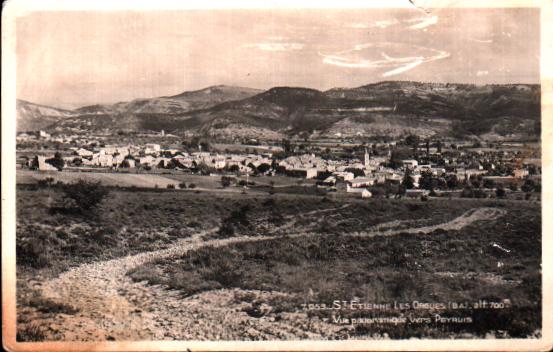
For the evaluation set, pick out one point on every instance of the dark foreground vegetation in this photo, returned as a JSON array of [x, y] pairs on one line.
[[495, 261], [54, 233]]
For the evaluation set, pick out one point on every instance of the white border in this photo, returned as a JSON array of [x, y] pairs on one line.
[[16, 8]]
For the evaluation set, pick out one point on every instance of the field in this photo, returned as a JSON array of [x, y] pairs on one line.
[[173, 264], [279, 184], [106, 178]]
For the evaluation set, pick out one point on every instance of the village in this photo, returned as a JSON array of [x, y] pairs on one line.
[[407, 167]]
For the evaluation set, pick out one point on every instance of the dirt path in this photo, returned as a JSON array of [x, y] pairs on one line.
[[113, 307]]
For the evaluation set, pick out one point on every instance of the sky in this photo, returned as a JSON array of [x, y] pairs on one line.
[[71, 59]]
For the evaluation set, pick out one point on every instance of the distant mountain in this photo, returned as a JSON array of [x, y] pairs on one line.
[[176, 104], [381, 109], [32, 116], [211, 96], [385, 109]]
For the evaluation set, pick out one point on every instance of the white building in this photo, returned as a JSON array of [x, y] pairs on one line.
[[44, 166], [410, 163], [151, 148], [362, 182], [84, 152]]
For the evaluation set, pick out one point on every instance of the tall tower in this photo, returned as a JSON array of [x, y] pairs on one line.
[[367, 159]]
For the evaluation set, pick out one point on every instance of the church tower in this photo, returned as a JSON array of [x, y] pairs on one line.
[[367, 159]]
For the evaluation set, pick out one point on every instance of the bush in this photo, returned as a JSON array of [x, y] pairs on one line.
[[104, 235], [182, 185], [33, 253], [85, 195], [226, 181], [226, 230], [170, 186], [30, 333], [192, 185]]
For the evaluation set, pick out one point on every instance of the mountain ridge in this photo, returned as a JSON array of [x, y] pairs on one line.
[[384, 108]]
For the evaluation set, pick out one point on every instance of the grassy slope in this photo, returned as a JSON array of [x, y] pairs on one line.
[[459, 266]]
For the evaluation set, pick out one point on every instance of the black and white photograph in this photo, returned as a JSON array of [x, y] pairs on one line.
[[278, 174]]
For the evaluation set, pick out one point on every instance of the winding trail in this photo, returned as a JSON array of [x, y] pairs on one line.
[[113, 307]]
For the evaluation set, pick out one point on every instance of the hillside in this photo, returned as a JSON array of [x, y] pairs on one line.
[[386, 108], [129, 115], [32, 116]]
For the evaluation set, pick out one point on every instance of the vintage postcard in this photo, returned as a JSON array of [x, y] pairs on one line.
[[303, 176]]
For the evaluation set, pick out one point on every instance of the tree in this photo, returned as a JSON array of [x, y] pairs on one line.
[[233, 168], [253, 168], [500, 192], [355, 171], [57, 161], [408, 182], [528, 186], [452, 182], [412, 140], [286, 145], [205, 146], [426, 181], [125, 164], [85, 195], [489, 183], [205, 169], [263, 168], [225, 181]]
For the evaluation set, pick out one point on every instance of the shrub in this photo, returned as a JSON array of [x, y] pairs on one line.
[[226, 230], [31, 332], [170, 186], [192, 185], [104, 235], [225, 181], [33, 253], [45, 305], [182, 185], [85, 195]]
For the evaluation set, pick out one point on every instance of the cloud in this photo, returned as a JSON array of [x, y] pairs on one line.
[[375, 56], [401, 69], [377, 24], [423, 22], [419, 23], [269, 46], [482, 73], [481, 40]]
